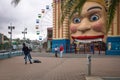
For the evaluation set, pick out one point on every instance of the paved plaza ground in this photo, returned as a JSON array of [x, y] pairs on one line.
[[70, 67]]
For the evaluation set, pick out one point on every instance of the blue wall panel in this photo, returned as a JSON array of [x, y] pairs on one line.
[[64, 42], [113, 46]]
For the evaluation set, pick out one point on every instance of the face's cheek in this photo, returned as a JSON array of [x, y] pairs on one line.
[[73, 29], [98, 26]]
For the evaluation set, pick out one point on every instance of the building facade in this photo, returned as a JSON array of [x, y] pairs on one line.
[[115, 27], [49, 39], [61, 32]]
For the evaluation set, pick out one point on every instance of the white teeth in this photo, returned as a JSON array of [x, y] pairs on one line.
[[88, 40]]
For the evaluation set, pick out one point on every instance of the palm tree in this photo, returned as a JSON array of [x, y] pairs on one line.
[[15, 2], [72, 6], [111, 12]]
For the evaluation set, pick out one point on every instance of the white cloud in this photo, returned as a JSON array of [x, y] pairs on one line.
[[21, 16]]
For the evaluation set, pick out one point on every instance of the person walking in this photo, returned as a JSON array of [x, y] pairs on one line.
[[26, 51], [56, 51], [92, 47], [61, 50]]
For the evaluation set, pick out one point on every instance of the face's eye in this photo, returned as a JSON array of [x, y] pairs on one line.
[[94, 18], [76, 20]]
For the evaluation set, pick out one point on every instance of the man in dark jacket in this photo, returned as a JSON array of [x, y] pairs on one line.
[[26, 51]]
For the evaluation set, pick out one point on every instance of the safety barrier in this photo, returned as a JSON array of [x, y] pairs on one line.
[[10, 54]]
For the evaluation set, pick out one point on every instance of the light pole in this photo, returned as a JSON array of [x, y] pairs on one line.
[[24, 32], [10, 32]]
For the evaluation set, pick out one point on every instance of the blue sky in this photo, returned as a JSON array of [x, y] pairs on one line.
[[24, 15]]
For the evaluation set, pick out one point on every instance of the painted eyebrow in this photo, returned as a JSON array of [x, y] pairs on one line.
[[94, 7]]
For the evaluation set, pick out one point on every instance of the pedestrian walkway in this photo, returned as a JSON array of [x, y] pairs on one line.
[[66, 68]]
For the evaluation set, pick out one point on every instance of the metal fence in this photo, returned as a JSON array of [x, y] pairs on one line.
[[10, 54]]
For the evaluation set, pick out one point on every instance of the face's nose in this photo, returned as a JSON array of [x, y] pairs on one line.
[[84, 26]]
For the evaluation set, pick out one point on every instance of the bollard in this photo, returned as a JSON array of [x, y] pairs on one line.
[[89, 64]]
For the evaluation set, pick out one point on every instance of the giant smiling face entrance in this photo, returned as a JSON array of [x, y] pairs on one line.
[[90, 25]]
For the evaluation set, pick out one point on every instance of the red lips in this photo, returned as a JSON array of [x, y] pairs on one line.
[[87, 37]]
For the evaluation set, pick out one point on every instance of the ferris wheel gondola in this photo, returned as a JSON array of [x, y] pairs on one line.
[[44, 21]]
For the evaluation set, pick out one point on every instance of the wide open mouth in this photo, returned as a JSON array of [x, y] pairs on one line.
[[88, 39]]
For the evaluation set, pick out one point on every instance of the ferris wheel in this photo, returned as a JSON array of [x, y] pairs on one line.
[[44, 21]]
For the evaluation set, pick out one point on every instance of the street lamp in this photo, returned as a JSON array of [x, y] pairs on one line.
[[24, 32], [10, 32]]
